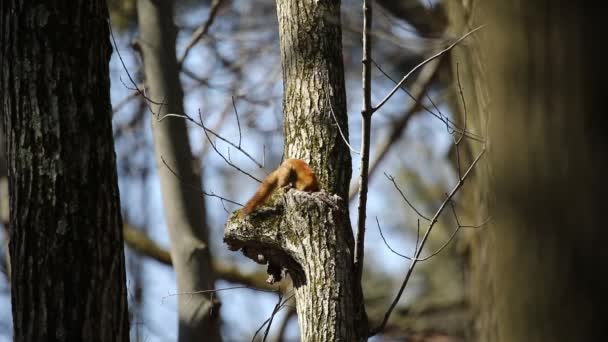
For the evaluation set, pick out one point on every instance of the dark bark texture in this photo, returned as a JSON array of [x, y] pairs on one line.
[[66, 247], [534, 73]]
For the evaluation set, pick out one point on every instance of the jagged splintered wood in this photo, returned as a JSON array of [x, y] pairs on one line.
[[298, 234]]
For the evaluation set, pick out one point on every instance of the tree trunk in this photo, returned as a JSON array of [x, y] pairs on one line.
[[313, 83], [310, 235], [66, 247], [303, 235], [184, 207], [534, 74]]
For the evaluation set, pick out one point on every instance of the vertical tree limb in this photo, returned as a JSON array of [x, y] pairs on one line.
[[310, 235], [366, 114]]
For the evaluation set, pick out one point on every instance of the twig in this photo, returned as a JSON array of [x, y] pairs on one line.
[[417, 235], [392, 179], [339, 126], [418, 90], [126, 100], [238, 122], [190, 185], [223, 157], [459, 139], [454, 233], [209, 130], [217, 135], [268, 322], [464, 104], [457, 144], [283, 327], [389, 246], [274, 312], [135, 86], [447, 120], [278, 307], [366, 114], [439, 115], [213, 145], [200, 31], [415, 260], [438, 54], [191, 293]]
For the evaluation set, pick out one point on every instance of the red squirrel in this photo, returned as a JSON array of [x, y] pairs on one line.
[[293, 172]]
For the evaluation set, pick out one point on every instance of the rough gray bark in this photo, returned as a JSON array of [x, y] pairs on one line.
[[313, 72], [310, 235], [534, 74], [184, 207], [66, 247], [301, 234]]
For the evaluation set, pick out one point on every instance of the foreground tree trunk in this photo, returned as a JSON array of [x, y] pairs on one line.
[[184, 207], [66, 248], [534, 74], [310, 235]]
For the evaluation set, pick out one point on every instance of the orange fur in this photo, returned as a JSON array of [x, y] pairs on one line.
[[293, 172]]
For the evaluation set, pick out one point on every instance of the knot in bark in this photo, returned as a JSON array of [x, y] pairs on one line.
[[288, 233]]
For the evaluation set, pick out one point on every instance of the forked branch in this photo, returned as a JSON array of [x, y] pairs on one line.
[[416, 258]]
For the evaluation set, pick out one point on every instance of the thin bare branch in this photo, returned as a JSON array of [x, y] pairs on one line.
[[200, 31], [418, 90], [416, 258], [446, 120], [366, 114], [464, 104], [442, 247], [124, 66], [213, 145], [386, 242], [223, 157], [291, 312], [238, 122], [451, 125], [212, 132], [454, 213], [459, 139], [454, 233], [438, 54], [192, 186], [392, 179], [333, 114], [118, 106], [191, 293], [417, 235], [268, 321], [238, 147], [278, 307]]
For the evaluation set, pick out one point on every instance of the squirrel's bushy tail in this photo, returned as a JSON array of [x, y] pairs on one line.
[[265, 189]]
